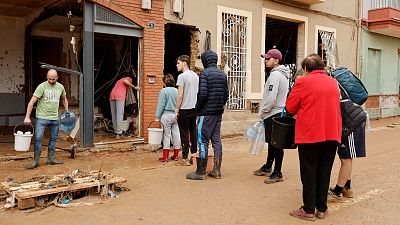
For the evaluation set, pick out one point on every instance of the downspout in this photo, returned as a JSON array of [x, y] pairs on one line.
[[359, 41]]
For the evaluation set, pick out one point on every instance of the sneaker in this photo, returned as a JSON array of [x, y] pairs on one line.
[[301, 214], [321, 215], [347, 192], [263, 171], [275, 177], [183, 162], [333, 197]]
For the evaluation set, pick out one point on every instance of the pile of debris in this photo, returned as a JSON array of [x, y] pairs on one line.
[[45, 190]]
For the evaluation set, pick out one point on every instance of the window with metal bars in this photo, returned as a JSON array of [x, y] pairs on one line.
[[234, 53]]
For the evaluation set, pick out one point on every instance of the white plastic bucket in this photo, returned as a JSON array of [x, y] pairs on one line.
[[125, 125], [155, 135], [22, 141]]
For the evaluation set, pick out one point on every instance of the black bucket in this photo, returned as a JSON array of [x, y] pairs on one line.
[[282, 135]]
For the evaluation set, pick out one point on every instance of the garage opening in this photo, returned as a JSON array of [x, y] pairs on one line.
[[114, 57]]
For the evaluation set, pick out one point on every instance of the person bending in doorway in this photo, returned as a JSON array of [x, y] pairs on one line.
[[117, 101]]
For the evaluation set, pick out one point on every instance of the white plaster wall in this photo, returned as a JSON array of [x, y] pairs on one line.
[[12, 75]]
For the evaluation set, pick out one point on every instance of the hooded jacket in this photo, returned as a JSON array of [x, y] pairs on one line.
[[213, 87], [275, 92]]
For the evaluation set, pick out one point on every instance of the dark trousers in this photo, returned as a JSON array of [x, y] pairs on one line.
[[273, 153], [209, 127], [187, 126], [316, 162]]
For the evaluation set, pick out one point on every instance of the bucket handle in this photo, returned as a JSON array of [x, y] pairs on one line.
[[283, 113], [33, 129], [153, 122]]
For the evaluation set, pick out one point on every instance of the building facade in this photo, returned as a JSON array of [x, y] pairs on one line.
[[100, 38], [239, 31], [380, 54]]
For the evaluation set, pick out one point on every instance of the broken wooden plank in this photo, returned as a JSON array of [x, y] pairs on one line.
[[73, 187], [26, 203]]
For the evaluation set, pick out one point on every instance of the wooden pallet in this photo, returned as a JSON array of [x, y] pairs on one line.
[[26, 193]]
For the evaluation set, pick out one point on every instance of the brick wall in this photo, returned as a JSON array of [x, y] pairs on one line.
[[152, 50]]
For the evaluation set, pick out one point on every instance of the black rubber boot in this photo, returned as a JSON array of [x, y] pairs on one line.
[[36, 160], [200, 173], [51, 158], [216, 173]]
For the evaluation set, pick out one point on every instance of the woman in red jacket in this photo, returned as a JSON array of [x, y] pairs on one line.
[[315, 100]]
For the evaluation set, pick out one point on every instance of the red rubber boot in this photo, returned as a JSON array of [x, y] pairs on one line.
[[165, 153], [175, 156]]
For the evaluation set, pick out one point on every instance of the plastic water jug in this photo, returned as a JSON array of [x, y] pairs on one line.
[[67, 121]]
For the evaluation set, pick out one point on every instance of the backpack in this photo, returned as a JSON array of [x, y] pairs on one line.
[[351, 85], [353, 116]]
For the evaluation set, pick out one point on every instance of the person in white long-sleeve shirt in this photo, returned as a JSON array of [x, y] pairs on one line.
[[274, 98]]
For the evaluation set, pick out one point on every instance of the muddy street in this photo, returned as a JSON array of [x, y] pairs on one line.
[[160, 194]]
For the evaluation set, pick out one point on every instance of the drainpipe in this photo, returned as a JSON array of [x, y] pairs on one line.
[[359, 41]]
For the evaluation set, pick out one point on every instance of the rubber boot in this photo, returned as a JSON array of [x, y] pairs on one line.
[[36, 160], [165, 153], [200, 173], [216, 173], [175, 156], [51, 158]]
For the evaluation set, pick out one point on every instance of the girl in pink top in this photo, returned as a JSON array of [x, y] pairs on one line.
[[117, 102]]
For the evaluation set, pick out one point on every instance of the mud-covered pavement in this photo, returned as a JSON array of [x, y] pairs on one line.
[[160, 194]]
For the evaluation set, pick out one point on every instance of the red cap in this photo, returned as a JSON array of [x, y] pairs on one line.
[[274, 53]]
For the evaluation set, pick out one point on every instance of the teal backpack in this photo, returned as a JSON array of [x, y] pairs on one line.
[[350, 84]]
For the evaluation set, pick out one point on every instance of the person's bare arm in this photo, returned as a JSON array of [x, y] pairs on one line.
[[128, 83], [65, 102], [179, 100], [29, 108]]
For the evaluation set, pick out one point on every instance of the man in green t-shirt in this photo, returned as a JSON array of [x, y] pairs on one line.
[[47, 94]]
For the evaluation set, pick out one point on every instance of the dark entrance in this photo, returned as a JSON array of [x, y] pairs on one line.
[[283, 35], [177, 42], [47, 50], [113, 55]]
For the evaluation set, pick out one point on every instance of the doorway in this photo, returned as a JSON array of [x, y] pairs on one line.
[[177, 43], [114, 57], [282, 34], [46, 50]]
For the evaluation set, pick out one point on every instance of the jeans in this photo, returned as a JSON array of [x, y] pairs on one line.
[[41, 124]]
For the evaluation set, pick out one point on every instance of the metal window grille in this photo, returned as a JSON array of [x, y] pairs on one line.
[[327, 48], [106, 16], [378, 4], [234, 51]]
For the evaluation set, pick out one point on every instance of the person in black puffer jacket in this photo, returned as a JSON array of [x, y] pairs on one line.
[[211, 99]]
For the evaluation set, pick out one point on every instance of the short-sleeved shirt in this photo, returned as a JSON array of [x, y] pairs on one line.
[[48, 100], [190, 83], [120, 89]]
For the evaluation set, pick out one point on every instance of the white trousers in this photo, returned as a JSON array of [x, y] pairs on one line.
[[170, 126]]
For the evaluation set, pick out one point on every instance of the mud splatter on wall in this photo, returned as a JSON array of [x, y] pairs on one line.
[[12, 76]]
